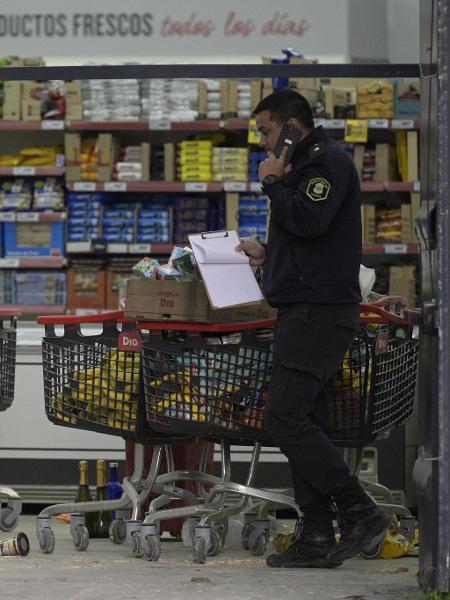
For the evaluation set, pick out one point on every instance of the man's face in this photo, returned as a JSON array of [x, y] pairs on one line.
[[269, 130]]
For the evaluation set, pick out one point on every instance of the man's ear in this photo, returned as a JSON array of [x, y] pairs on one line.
[[295, 123]]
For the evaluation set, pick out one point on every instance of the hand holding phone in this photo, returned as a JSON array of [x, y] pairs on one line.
[[289, 137]]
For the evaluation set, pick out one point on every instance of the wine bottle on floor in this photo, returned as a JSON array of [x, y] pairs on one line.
[[84, 495], [104, 517]]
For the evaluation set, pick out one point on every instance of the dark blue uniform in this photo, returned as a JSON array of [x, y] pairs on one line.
[[311, 276]]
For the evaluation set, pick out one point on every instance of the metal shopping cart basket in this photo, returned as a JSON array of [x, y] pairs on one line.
[[212, 380], [92, 382], [9, 514]]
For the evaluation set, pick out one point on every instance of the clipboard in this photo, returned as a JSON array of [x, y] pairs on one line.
[[227, 274]]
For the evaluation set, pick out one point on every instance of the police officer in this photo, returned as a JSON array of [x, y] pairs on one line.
[[311, 265]]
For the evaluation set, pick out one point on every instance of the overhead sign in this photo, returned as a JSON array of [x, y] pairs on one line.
[[147, 28]]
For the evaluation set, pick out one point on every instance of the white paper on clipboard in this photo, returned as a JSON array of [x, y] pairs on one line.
[[227, 274]]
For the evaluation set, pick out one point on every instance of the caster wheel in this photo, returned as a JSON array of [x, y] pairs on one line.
[[151, 547], [80, 536], [372, 551], [246, 531], [118, 531], [222, 529], [215, 543], [46, 539], [6, 523], [199, 551], [136, 544], [257, 542]]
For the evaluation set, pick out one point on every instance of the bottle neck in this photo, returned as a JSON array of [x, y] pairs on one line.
[[101, 473], [83, 473], [113, 472]]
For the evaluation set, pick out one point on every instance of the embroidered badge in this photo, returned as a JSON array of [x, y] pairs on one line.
[[318, 189]]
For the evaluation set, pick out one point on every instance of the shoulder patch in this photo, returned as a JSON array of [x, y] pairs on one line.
[[316, 150], [318, 189]]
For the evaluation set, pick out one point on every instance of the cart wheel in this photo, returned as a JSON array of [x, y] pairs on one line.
[[199, 550], [215, 543], [151, 547], [220, 527], [136, 544], [246, 531], [118, 531], [372, 551], [80, 537], [5, 520], [257, 542], [46, 539]]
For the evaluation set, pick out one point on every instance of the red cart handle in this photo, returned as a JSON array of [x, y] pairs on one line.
[[5, 313], [383, 316], [206, 327], [116, 315]]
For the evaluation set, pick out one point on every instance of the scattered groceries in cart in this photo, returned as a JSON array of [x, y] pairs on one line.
[[180, 267]]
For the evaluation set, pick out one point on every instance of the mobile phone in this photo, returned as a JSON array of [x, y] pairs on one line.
[[289, 136]]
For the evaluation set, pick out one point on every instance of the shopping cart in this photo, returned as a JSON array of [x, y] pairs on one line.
[[8, 332], [92, 382], [211, 381]]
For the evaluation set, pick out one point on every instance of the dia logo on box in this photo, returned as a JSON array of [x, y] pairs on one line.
[[130, 341]]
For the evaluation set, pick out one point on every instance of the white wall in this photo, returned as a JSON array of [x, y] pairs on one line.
[[403, 24], [368, 31]]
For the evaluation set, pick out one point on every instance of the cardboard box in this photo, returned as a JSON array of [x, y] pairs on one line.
[[385, 163], [12, 99], [369, 223], [86, 289], [232, 102], [108, 152], [340, 103], [202, 99], [412, 149], [32, 92], [255, 93], [415, 206], [170, 166], [145, 161], [74, 104], [72, 149], [33, 239], [407, 99], [309, 83], [224, 98], [402, 282], [407, 232], [185, 301], [116, 287]]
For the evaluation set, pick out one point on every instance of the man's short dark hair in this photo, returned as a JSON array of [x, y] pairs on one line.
[[286, 104]]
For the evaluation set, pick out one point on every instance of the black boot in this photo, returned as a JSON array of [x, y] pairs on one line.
[[363, 523], [315, 539]]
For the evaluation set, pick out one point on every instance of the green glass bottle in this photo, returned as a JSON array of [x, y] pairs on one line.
[[84, 495], [104, 517]]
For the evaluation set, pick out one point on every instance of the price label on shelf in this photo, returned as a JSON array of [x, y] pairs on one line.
[[402, 124], [115, 248], [28, 217], [115, 186], [255, 186], [52, 125], [24, 170], [416, 186], [378, 123], [139, 248], [320, 122], [253, 135], [196, 186], [333, 123], [159, 124], [235, 186], [395, 248], [85, 186], [356, 130], [10, 263], [7, 217]]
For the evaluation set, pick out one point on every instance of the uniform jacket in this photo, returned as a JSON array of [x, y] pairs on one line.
[[314, 243]]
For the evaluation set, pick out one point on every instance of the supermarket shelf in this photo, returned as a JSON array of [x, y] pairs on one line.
[[32, 171], [200, 125], [228, 186], [38, 309], [390, 248], [143, 186], [32, 262], [138, 249], [31, 217]]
